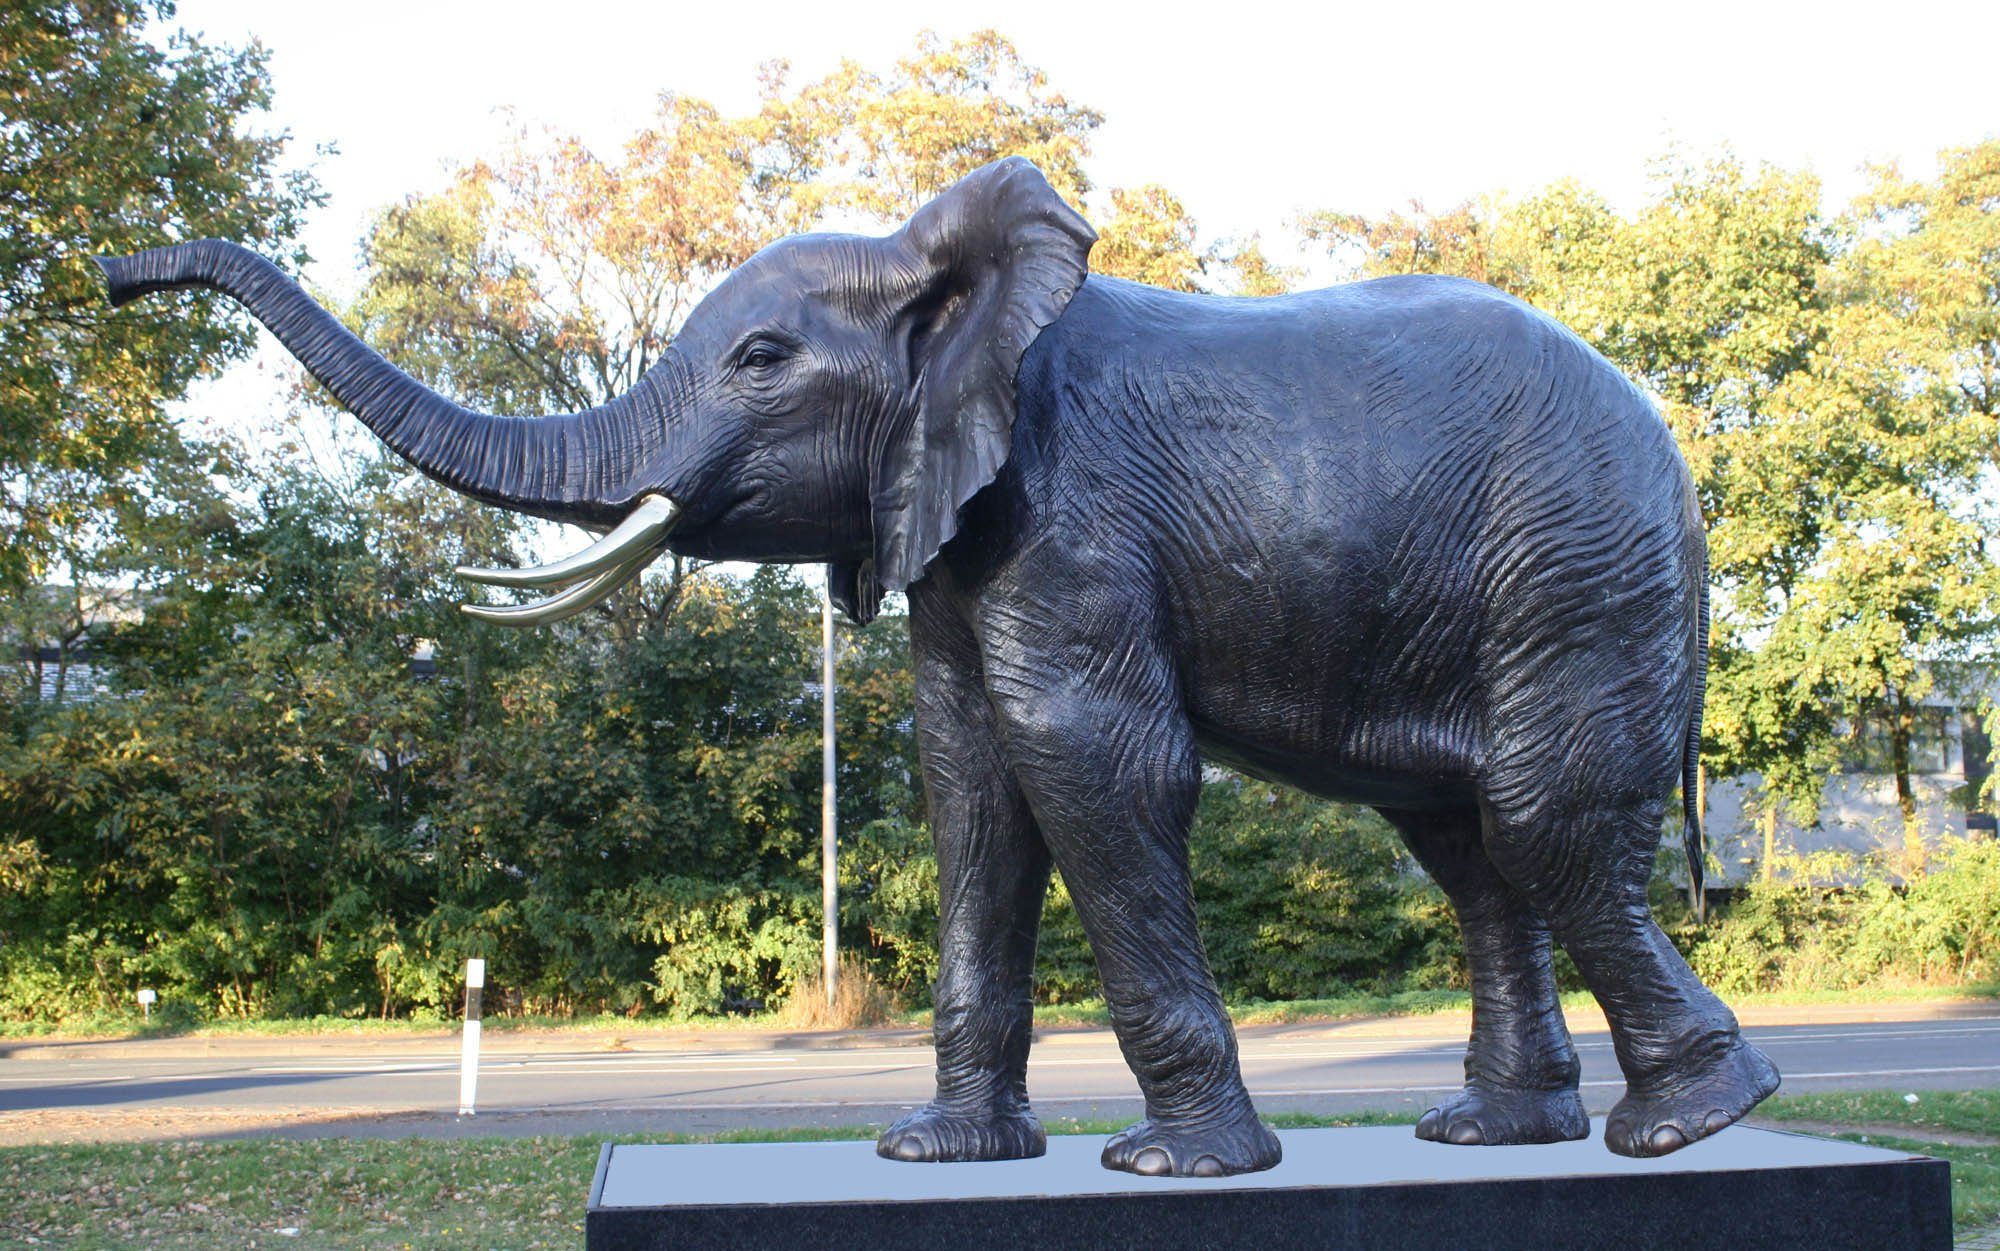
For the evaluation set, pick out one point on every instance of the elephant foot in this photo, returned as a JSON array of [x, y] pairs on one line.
[[936, 1135], [1689, 1102], [1159, 1148], [1476, 1117]]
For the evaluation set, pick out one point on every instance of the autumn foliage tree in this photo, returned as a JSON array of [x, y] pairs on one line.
[[550, 276], [110, 144], [314, 786]]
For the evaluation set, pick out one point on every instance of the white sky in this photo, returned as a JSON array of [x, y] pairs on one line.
[[1252, 112]]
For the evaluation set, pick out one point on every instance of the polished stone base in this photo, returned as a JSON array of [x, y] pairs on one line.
[[1743, 1190]]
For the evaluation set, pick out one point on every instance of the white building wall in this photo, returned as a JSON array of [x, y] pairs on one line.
[[1858, 814]]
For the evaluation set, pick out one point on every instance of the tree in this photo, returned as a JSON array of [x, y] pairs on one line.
[[109, 144], [1149, 238], [1255, 274], [1903, 394], [238, 819], [1414, 242], [550, 277], [895, 140], [278, 811]]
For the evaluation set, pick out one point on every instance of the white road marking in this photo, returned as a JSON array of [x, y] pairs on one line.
[[347, 1070], [1796, 1077], [1817, 1036], [667, 1103], [1262, 1059], [1958, 1068], [1763, 1034]]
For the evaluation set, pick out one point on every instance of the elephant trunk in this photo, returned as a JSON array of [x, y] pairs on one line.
[[576, 467]]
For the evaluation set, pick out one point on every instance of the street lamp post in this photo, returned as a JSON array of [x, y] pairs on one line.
[[829, 880]]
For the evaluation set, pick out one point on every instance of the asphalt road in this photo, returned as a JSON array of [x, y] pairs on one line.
[[394, 1087]]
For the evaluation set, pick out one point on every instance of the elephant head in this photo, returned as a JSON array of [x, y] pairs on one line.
[[835, 399]]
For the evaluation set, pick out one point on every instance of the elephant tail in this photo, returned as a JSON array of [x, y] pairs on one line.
[[1691, 837]]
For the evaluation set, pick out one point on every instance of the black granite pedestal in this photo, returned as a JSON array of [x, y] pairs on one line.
[[1379, 1189]]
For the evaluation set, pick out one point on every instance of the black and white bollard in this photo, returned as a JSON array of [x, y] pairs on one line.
[[468, 1064]]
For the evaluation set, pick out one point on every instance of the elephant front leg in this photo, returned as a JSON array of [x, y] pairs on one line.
[[993, 873], [1108, 761]]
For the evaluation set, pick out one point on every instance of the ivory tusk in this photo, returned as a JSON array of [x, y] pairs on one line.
[[564, 604], [642, 530]]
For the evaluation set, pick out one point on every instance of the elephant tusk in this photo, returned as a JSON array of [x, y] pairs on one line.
[[641, 531], [597, 570], [564, 604]]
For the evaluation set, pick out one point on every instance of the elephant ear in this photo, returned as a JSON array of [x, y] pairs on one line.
[[992, 261]]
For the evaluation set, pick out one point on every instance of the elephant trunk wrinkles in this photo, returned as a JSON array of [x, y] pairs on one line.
[[576, 467]]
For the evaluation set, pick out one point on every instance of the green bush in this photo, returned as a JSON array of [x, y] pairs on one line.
[[889, 892], [1300, 898], [1837, 922], [272, 817], [1297, 898], [725, 948]]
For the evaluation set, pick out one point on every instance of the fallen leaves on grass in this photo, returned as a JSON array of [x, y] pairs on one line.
[[523, 1193]]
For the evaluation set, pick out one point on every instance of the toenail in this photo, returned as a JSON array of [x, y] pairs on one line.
[[1716, 1123], [1466, 1134], [909, 1148], [1666, 1138], [1152, 1162], [1206, 1166]]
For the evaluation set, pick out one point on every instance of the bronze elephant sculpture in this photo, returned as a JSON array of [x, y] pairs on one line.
[[1408, 543]]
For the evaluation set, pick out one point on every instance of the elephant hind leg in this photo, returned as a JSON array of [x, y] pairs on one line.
[[1582, 856], [1520, 1067]]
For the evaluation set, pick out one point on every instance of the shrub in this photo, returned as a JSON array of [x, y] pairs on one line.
[[1296, 898], [1300, 898], [1832, 921], [859, 1001]]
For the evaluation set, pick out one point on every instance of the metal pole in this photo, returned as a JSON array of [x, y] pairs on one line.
[[829, 878], [468, 1061]]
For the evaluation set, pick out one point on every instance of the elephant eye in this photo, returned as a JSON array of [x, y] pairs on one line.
[[760, 355]]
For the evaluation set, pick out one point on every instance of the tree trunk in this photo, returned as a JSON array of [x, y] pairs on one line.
[[1769, 864], [1902, 722]]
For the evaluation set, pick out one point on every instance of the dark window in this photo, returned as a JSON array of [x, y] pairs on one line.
[[1872, 748], [1978, 755], [1976, 759]]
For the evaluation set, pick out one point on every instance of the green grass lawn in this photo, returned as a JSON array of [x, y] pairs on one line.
[[514, 1193], [523, 1193], [1972, 1112], [1883, 1118]]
